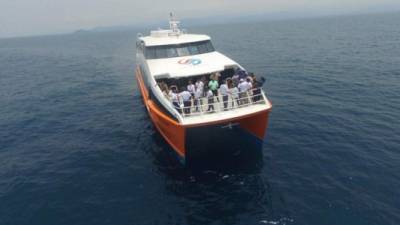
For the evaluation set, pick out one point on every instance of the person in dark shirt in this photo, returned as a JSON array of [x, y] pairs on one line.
[[242, 73], [257, 85]]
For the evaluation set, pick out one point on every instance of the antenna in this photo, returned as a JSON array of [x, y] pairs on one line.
[[174, 24]]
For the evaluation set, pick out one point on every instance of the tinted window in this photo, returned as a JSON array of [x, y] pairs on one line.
[[170, 51], [161, 53], [151, 53], [203, 48], [193, 49], [183, 51], [210, 47]]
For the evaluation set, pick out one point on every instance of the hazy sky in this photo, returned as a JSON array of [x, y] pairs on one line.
[[32, 17]]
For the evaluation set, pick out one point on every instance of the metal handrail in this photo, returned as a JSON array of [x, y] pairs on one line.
[[203, 102]]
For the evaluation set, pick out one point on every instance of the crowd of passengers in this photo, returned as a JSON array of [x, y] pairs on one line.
[[239, 87]]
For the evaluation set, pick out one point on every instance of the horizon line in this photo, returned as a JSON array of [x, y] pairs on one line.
[[199, 22]]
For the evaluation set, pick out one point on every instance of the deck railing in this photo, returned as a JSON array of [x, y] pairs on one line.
[[217, 104]]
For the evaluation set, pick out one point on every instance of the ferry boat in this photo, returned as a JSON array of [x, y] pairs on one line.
[[170, 58]]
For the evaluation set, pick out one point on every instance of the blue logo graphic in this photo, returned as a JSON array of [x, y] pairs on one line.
[[193, 62]]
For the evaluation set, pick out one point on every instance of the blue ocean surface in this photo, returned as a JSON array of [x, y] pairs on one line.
[[77, 146]]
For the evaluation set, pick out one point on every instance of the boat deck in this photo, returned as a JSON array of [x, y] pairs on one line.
[[212, 117], [224, 111]]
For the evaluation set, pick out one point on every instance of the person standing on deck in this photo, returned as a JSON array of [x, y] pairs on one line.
[[223, 90], [197, 99], [234, 92], [217, 76], [173, 95], [210, 97], [257, 84], [244, 86], [242, 73], [249, 83], [213, 85], [235, 80], [201, 84], [165, 90], [186, 98], [249, 78], [191, 88]]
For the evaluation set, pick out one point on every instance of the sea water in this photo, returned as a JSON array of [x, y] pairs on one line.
[[77, 146]]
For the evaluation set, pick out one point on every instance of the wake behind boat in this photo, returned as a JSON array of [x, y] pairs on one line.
[[187, 87]]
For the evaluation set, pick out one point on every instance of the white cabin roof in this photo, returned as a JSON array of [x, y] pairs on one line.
[[181, 66], [166, 37]]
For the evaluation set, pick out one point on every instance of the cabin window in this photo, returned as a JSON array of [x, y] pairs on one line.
[[183, 51], [170, 51], [161, 53], [193, 50]]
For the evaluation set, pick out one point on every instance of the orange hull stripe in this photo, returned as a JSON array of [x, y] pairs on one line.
[[256, 125], [173, 132]]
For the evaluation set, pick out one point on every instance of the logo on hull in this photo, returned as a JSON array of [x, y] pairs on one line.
[[193, 62]]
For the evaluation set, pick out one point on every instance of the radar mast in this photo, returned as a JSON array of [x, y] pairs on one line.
[[174, 25]]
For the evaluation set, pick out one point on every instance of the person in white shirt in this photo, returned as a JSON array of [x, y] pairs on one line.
[[200, 86], [235, 80], [210, 96], [249, 79], [244, 86], [173, 95], [204, 83], [197, 99], [234, 92], [223, 90], [249, 83], [186, 98], [191, 88]]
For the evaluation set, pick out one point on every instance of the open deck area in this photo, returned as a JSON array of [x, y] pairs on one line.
[[206, 111]]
